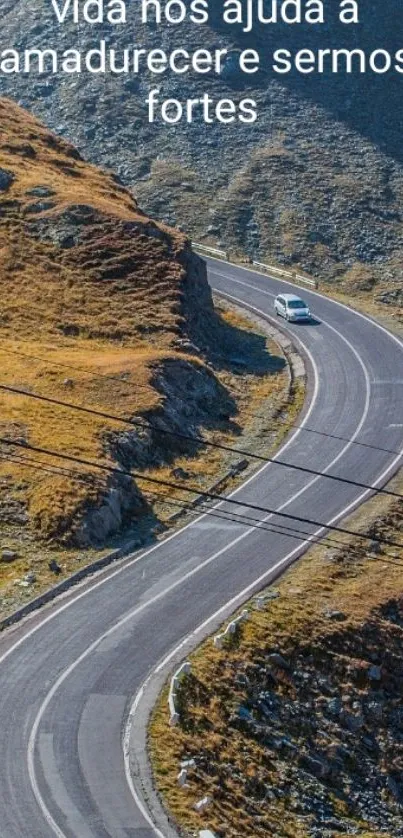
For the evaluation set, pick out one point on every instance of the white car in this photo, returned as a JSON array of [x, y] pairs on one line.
[[291, 307]]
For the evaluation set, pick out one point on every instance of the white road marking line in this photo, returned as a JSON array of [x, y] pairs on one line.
[[160, 544], [143, 555], [31, 744], [59, 791], [314, 293], [173, 586], [229, 606]]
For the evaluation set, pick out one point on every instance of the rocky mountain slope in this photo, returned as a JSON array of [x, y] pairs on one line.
[[295, 727], [103, 308], [317, 181]]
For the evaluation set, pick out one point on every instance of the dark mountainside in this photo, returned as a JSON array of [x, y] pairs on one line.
[[316, 182]]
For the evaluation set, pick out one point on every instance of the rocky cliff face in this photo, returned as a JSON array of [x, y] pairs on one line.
[[317, 181]]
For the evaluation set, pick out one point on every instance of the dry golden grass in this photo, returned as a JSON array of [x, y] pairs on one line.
[[119, 248], [109, 304], [106, 305], [36, 156], [94, 296], [101, 377]]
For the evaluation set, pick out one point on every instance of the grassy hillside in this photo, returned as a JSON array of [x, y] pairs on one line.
[[104, 308], [83, 274]]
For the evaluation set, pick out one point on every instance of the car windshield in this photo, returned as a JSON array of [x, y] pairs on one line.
[[296, 304]]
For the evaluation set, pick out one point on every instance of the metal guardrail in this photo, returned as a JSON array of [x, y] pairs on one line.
[[312, 282], [213, 250], [223, 254], [174, 714], [289, 274], [272, 269]]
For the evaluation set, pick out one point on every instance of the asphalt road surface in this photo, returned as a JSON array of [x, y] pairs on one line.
[[69, 674]]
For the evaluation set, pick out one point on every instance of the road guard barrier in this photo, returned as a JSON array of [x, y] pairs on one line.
[[289, 274], [175, 680], [223, 254], [231, 629], [212, 251]]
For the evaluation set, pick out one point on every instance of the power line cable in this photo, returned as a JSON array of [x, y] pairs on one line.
[[246, 520], [195, 491], [199, 440], [237, 518], [38, 465], [170, 500], [280, 529], [138, 385]]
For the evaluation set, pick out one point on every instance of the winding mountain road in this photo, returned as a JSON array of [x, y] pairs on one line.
[[69, 673]]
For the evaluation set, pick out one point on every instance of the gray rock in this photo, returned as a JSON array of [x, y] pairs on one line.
[[180, 473], [394, 787], [9, 555], [65, 230], [318, 767], [54, 567], [6, 179], [331, 614], [374, 673], [39, 206], [334, 706], [374, 711], [375, 547], [121, 500], [41, 192], [351, 721]]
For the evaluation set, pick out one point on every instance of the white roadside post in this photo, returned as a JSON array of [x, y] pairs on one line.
[[174, 714], [231, 628]]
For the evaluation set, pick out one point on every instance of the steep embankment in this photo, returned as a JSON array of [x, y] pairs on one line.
[[104, 308], [317, 181]]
